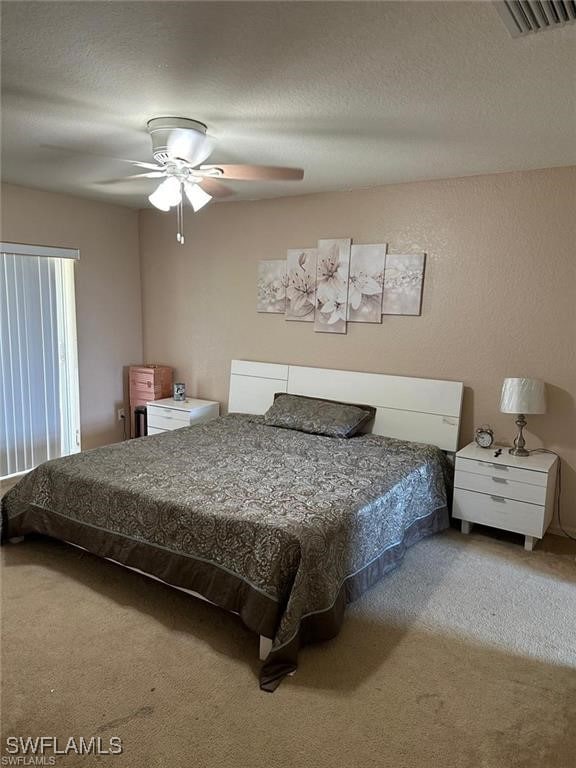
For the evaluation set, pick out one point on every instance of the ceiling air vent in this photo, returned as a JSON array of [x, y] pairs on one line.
[[525, 16]]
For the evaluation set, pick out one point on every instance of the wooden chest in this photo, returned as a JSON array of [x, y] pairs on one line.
[[148, 382]]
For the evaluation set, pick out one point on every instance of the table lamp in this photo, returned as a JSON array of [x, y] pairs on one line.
[[521, 396]]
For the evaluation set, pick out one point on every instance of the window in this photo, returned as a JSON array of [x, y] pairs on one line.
[[39, 403]]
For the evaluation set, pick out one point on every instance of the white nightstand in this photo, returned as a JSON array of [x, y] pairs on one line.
[[515, 493], [167, 414]]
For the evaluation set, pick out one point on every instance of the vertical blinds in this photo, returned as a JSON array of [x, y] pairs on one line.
[[39, 417]]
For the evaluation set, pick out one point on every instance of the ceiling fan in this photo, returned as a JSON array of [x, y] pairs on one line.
[[180, 147]]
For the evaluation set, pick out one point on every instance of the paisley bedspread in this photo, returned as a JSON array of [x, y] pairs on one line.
[[280, 526]]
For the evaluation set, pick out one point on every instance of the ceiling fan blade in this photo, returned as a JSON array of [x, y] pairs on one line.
[[215, 188], [84, 152], [192, 146], [140, 164], [256, 172], [120, 179]]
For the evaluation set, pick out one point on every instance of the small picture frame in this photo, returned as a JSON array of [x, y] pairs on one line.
[[179, 391]]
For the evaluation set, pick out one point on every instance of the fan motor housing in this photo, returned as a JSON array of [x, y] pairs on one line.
[[160, 128]]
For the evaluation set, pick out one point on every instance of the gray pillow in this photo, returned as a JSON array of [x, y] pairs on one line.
[[316, 416]]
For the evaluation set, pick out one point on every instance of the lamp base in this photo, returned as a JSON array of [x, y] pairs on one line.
[[518, 449]]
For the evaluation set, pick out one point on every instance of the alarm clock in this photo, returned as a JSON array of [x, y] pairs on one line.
[[484, 436]]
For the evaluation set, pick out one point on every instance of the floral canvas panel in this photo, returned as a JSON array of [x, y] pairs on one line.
[[365, 283], [271, 286], [301, 284], [332, 270], [403, 282]]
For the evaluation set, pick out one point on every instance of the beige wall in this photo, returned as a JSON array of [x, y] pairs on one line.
[[108, 297], [499, 296]]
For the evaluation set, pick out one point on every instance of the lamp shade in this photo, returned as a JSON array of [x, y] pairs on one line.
[[523, 396]]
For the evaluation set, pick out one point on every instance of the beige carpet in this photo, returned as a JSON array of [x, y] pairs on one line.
[[465, 657]]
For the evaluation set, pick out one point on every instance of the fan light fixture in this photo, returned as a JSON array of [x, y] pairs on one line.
[[169, 194], [180, 145]]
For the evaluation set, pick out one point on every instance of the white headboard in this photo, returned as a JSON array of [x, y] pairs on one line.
[[421, 410]]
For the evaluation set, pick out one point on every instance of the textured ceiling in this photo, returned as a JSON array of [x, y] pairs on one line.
[[358, 94]]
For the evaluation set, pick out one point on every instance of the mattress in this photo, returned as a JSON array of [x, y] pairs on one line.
[[282, 527]]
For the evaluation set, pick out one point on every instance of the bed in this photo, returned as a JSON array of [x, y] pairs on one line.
[[282, 527]]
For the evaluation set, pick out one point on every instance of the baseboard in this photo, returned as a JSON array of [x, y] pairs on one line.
[[559, 532]]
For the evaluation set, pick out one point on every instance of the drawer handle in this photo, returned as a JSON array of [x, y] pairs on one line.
[[500, 479], [499, 467], [148, 384], [501, 499]]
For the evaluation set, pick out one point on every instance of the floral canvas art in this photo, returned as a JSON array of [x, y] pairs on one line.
[[337, 283], [301, 284], [365, 283], [403, 281], [332, 268], [271, 286]]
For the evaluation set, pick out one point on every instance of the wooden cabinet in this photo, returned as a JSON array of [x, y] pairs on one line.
[[148, 382]]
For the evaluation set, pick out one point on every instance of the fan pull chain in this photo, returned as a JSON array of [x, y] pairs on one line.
[[180, 221]]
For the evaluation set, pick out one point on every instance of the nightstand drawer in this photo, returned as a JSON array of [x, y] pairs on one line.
[[167, 418], [499, 512], [501, 486], [155, 431], [494, 469]]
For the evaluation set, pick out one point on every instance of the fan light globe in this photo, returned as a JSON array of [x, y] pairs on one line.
[[197, 196], [167, 194]]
